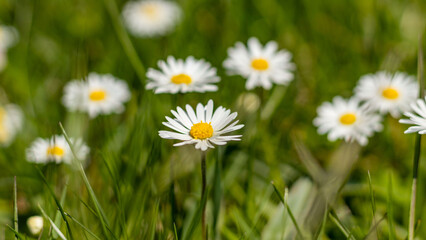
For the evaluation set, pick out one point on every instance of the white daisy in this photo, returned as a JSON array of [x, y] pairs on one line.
[[203, 128], [151, 18], [8, 37], [346, 119], [56, 149], [261, 66], [99, 94], [387, 93], [178, 75], [11, 119], [418, 118]]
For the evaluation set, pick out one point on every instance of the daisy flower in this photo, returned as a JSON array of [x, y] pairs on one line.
[[178, 75], [346, 119], [99, 94], [11, 119], [56, 149], [261, 66], [387, 93], [151, 18], [203, 127], [418, 118], [8, 37]]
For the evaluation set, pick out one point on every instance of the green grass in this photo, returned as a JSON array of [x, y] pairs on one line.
[[138, 186]]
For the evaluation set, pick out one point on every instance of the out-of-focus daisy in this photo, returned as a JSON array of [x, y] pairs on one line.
[[203, 127], [56, 149], [11, 119], [8, 37], [178, 75], [151, 18], [418, 118], [346, 119], [386, 92], [35, 224], [261, 66], [99, 94]]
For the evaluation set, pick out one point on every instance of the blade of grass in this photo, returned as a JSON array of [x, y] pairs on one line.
[[124, 39], [60, 234], [99, 210], [290, 213], [390, 210], [58, 204], [374, 228], [417, 148], [17, 234], [82, 226], [58, 213], [196, 219], [15, 206], [373, 201], [340, 225], [154, 220], [217, 189]]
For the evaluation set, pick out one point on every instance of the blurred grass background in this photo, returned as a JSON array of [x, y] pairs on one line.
[[132, 170]]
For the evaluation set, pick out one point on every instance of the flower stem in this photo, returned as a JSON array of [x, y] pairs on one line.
[[417, 149], [15, 206], [203, 191]]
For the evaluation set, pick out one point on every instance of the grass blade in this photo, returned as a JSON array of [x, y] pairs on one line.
[[290, 213], [17, 234], [58, 213], [340, 225], [125, 40], [99, 210], [82, 226], [391, 224], [58, 204], [196, 219], [60, 234], [15, 206], [373, 201]]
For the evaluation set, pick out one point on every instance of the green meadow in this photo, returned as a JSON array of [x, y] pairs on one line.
[[283, 180]]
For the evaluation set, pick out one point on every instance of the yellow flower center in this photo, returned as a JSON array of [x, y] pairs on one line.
[[55, 151], [348, 119], [97, 95], [181, 79], [201, 130], [150, 10], [390, 93], [260, 64], [3, 132]]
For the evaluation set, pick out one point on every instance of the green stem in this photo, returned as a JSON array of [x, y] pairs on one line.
[[15, 206], [125, 40], [417, 148], [203, 191]]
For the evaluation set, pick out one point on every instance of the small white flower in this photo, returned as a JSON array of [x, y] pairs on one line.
[[178, 75], [35, 224], [11, 119], [56, 149], [99, 94], [8, 37], [203, 128], [151, 18], [387, 93], [346, 119], [418, 118], [261, 66]]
